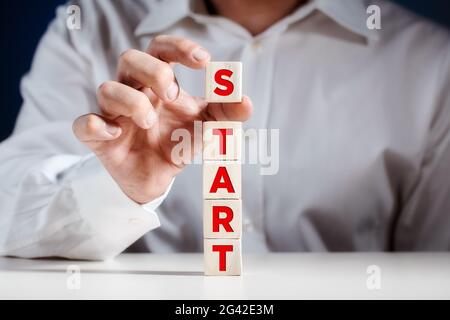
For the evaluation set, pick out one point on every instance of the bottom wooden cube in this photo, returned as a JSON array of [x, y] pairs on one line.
[[223, 257]]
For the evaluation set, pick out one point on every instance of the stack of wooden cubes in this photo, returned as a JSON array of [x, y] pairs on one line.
[[222, 202]]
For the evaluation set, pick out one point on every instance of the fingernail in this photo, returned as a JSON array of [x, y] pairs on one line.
[[200, 54], [172, 92], [112, 130], [151, 119]]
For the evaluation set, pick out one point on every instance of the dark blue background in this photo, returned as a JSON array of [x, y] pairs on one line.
[[24, 21]]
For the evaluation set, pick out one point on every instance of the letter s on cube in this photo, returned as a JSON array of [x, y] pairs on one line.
[[223, 82]]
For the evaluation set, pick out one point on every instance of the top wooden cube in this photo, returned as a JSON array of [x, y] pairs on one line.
[[223, 82]]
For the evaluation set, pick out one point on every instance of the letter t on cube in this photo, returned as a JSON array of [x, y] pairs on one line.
[[222, 140]]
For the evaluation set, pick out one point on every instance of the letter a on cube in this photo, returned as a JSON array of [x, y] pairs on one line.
[[223, 82], [221, 180]]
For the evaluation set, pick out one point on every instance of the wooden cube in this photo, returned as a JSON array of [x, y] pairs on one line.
[[223, 257], [222, 140], [222, 219], [223, 82], [221, 180]]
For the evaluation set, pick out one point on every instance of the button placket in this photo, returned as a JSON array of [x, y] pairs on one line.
[[258, 59]]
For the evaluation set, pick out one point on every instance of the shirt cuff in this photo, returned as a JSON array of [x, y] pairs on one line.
[[113, 218], [153, 205]]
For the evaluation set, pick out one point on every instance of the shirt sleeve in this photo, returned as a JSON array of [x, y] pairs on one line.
[[55, 198], [423, 224]]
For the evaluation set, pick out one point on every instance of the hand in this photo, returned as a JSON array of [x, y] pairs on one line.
[[139, 112]]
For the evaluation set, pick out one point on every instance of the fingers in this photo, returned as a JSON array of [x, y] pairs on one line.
[[187, 106], [91, 129], [175, 49], [138, 69], [152, 70], [230, 111], [116, 99]]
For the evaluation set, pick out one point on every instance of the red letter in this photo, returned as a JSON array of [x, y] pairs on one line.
[[225, 222], [222, 173], [223, 133], [222, 249], [223, 82]]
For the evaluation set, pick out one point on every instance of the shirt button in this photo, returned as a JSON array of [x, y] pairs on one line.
[[134, 220], [257, 46], [249, 136], [247, 225]]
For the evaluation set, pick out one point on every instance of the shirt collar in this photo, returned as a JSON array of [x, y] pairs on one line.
[[162, 15], [350, 14]]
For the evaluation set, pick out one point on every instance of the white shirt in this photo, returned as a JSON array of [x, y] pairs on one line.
[[364, 119]]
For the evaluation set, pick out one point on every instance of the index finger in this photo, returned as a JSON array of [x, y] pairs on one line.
[[173, 49]]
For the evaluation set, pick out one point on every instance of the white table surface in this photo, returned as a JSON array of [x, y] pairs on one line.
[[271, 276]]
